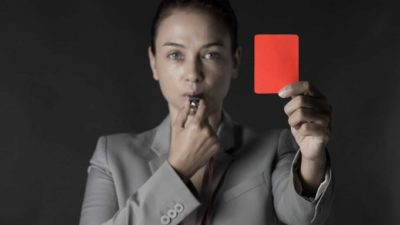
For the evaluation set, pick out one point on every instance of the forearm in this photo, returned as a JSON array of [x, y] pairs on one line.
[[163, 197], [312, 173], [163, 192]]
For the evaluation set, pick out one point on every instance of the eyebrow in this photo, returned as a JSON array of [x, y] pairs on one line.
[[216, 43]]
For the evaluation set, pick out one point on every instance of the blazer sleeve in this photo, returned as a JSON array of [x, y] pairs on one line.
[[291, 207], [163, 199]]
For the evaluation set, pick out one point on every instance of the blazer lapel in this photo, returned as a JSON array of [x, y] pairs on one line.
[[160, 144]]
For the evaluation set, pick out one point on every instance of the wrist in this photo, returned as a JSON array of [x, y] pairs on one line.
[[312, 173], [318, 158], [179, 171]]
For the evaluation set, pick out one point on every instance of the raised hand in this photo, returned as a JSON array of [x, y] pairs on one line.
[[193, 141], [309, 117]]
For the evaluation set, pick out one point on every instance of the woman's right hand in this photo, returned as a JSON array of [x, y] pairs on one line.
[[193, 141]]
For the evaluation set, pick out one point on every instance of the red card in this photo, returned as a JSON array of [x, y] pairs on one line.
[[276, 62]]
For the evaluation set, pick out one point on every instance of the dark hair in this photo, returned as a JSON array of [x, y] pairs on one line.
[[221, 9]]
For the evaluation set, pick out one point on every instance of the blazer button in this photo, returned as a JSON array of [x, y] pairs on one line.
[[165, 220], [172, 213], [179, 207]]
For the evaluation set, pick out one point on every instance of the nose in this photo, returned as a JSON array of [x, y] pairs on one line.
[[193, 73]]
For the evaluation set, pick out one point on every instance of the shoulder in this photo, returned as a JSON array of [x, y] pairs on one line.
[[141, 138], [132, 143]]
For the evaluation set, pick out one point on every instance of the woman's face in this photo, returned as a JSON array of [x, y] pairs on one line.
[[193, 57]]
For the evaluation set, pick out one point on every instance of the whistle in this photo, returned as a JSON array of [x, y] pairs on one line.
[[194, 102]]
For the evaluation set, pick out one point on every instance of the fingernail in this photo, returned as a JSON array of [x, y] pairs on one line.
[[192, 111], [282, 93]]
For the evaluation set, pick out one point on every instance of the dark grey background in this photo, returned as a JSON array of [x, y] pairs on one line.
[[73, 70]]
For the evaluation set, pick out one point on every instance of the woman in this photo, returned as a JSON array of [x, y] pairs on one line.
[[198, 166]]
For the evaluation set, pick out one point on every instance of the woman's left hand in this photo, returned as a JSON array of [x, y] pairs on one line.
[[309, 117]]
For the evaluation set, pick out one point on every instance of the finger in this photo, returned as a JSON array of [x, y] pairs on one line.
[[182, 116], [201, 113], [305, 115], [214, 145], [204, 118], [194, 111], [206, 123], [302, 101], [299, 88], [190, 117]]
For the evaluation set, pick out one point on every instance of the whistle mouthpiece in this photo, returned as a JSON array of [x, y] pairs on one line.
[[194, 102]]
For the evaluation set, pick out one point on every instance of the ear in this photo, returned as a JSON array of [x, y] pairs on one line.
[[237, 58], [152, 61]]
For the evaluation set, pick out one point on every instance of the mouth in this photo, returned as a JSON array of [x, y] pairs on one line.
[[194, 102], [194, 99]]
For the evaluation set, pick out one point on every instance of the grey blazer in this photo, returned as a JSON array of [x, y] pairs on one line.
[[255, 182]]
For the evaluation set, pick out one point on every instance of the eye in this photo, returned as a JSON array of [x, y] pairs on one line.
[[175, 56], [212, 55]]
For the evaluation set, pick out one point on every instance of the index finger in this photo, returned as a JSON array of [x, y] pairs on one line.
[[201, 112], [299, 88], [181, 118]]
